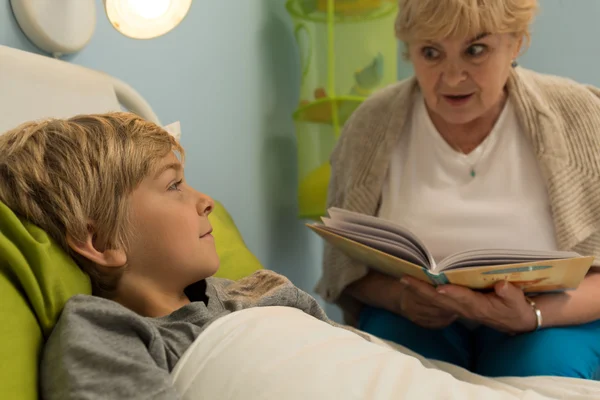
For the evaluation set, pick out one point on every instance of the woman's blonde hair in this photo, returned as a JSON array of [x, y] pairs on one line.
[[437, 19], [65, 174]]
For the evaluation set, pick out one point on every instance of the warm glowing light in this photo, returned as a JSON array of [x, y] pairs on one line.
[[149, 9], [145, 19]]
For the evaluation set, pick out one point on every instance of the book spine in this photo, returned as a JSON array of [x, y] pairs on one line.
[[437, 279]]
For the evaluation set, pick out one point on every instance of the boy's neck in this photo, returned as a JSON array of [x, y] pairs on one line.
[[145, 299]]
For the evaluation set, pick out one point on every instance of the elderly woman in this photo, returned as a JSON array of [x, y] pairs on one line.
[[474, 152]]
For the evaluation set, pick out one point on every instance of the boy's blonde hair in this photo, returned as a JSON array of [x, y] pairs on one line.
[[438, 19], [65, 174]]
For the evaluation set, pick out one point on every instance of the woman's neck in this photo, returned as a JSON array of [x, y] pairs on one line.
[[467, 137]]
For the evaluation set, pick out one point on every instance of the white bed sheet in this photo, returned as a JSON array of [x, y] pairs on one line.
[[246, 356]]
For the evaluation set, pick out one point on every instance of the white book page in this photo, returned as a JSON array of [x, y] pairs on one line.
[[375, 234], [387, 246], [483, 257], [339, 214], [385, 231]]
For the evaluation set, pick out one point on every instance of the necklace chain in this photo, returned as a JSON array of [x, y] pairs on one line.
[[472, 166]]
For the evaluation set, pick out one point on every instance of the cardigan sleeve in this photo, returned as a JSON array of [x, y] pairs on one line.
[[339, 270], [359, 164]]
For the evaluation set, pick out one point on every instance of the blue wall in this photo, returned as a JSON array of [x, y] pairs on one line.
[[229, 73], [564, 40]]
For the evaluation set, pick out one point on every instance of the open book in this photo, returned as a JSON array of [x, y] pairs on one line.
[[392, 249]]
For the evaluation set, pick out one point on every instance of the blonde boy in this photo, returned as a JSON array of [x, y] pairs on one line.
[[110, 189]]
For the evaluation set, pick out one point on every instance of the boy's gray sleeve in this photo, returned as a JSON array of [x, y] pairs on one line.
[[97, 351]]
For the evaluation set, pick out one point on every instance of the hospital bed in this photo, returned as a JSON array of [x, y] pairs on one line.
[[297, 357]]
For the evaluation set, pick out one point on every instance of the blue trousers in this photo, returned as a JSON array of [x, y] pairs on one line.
[[572, 351]]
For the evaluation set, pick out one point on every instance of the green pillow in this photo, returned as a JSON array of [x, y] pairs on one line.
[[37, 278], [237, 261]]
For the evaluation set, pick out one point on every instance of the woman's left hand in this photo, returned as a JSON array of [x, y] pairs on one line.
[[505, 309]]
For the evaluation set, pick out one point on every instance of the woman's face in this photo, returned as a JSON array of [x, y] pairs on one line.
[[463, 79]]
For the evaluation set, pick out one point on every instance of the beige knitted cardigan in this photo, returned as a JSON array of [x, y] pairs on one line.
[[559, 116]]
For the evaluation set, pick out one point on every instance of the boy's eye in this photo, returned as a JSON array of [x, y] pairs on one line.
[[476, 50], [175, 186], [430, 53]]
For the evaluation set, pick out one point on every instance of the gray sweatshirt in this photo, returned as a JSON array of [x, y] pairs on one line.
[[102, 350]]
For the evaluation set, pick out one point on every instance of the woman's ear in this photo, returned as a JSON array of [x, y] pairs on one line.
[[100, 256], [518, 48]]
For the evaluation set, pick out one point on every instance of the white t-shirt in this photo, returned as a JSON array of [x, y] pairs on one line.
[[430, 189]]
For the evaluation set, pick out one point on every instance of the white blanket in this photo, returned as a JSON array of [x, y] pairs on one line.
[[282, 353]]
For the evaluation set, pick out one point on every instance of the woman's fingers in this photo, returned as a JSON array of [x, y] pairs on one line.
[[435, 322], [424, 291], [418, 307], [423, 305]]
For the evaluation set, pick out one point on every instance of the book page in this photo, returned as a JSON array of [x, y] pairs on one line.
[[395, 249], [378, 234], [483, 257], [339, 214], [373, 258]]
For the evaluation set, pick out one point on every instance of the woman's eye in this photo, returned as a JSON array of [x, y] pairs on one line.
[[476, 50], [430, 53], [175, 186]]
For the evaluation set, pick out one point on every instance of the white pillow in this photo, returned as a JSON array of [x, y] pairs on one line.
[[174, 129]]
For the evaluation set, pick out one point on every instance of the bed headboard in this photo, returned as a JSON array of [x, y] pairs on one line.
[[34, 86]]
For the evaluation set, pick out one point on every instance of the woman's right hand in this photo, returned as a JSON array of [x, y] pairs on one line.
[[419, 302], [413, 299]]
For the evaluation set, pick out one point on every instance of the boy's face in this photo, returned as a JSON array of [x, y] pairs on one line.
[[171, 245]]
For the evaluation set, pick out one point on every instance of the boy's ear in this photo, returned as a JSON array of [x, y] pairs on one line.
[[89, 249]]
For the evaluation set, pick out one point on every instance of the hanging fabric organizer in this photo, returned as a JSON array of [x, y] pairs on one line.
[[347, 50]]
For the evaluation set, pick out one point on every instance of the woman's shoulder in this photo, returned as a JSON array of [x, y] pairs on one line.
[[546, 80], [571, 108], [372, 117], [562, 94], [382, 100]]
